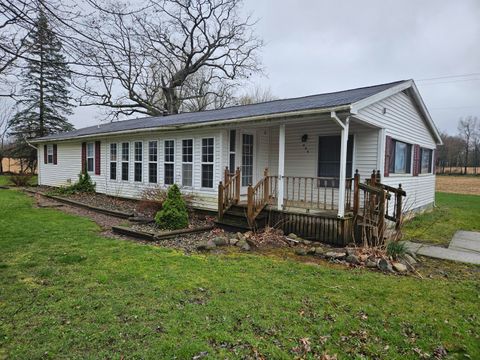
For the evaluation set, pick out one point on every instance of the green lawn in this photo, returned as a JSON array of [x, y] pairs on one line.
[[453, 212], [67, 292]]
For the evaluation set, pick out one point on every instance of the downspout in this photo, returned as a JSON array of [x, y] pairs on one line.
[[343, 162]]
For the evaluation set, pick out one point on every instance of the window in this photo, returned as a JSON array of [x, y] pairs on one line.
[[207, 162], [90, 157], [233, 136], [187, 162], [329, 159], [169, 162], [401, 159], [137, 159], [152, 161], [425, 161], [49, 154], [247, 159], [125, 158], [113, 161]]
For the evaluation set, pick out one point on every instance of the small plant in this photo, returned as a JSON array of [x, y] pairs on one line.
[[174, 214], [396, 249], [83, 185], [20, 179]]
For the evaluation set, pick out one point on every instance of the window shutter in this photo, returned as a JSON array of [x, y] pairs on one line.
[[45, 159], [388, 155], [416, 160], [84, 157], [434, 161], [97, 157], [54, 154]]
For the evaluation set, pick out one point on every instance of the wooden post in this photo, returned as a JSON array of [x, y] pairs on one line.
[[343, 167], [381, 215], [373, 178], [398, 211], [281, 166], [356, 192], [266, 186], [226, 174], [250, 203], [220, 200], [378, 178], [237, 185]]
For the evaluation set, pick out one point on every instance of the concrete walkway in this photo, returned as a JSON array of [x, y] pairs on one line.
[[464, 247]]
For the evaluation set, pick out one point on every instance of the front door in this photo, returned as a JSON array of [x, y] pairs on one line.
[[329, 158], [247, 143]]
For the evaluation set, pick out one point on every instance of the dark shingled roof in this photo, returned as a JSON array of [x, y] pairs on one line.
[[328, 100]]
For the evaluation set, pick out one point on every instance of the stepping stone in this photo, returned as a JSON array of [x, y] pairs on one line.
[[466, 241]]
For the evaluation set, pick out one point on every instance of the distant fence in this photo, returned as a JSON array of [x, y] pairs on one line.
[[10, 165], [457, 170]]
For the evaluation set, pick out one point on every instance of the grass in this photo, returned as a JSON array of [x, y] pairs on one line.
[[66, 291], [453, 212], [5, 180]]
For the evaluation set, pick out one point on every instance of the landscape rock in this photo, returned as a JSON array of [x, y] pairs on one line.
[[384, 265], [352, 259], [292, 236], [245, 246], [248, 235], [412, 254], [240, 236], [409, 259], [351, 251], [220, 241], [306, 242], [335, 255], [371, 264], [311, 251], [319, 251], [210, 245], [202, 245], [399, 267], [233, 241], [301, 251]]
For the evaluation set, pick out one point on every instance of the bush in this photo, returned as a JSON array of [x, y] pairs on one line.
[[84, 184], [396, 249], [20, 179], [174, 214]]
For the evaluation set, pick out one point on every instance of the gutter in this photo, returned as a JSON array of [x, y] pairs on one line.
[[202, 124]]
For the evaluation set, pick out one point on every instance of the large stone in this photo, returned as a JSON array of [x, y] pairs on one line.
[[399, 267], [202, 245], [220, 241], [245, 246], [371, 264], [240, 236], [301, 251], [352, 259], [233, 241], [311, 251], [351, 251], [409, 259], [210, 245], [292, 236], [384, 265], [319, 251], [306, 242], [335, 255]]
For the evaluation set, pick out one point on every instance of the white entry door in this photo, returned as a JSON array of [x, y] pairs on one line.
[[247, 151]]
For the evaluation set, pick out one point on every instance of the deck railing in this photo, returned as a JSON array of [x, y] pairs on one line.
[[258, 197], [228, 191], [312, 193]]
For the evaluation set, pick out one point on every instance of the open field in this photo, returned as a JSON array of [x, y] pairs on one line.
[[68, 292], [458, 184]]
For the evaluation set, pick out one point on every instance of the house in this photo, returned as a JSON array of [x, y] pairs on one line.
[[311, 146]]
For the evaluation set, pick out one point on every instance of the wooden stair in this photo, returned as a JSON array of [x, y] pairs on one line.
[[235, 219]]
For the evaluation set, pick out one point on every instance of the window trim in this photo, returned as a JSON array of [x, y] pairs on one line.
[[122, 161], [136, 162], [150, 162], [50, 146], [90, 157], [232, 150], [408, 158], [113, 162], [188, 163], [168, 162], [207, 163]]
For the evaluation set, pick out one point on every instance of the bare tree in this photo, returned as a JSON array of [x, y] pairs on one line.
[[258, 95], [466, 129], [151, 61]]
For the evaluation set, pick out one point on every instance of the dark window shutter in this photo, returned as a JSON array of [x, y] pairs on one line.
[[84, 157], [416, 160], [54, 154], [97, 157], [434, 161], [388, 155], [45, 160]]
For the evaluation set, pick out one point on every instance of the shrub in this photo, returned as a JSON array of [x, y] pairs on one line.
[[84, 184], [20, 179], [174, 214], [396, 249]]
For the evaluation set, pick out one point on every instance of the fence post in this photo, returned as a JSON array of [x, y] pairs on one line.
[[250, 203], [381, 216], [226, 174], [356, 192], [237, 185], [398, 211], [378, 178], [266, 186], [373, 178], [220, 200]]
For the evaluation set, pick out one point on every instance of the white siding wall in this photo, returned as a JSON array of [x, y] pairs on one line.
[[67, 168], [402, 121]]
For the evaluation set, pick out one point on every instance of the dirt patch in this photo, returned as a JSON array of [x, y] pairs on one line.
[[469, 185]]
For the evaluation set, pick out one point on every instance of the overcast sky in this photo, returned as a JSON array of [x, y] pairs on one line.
[[321, 46]]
